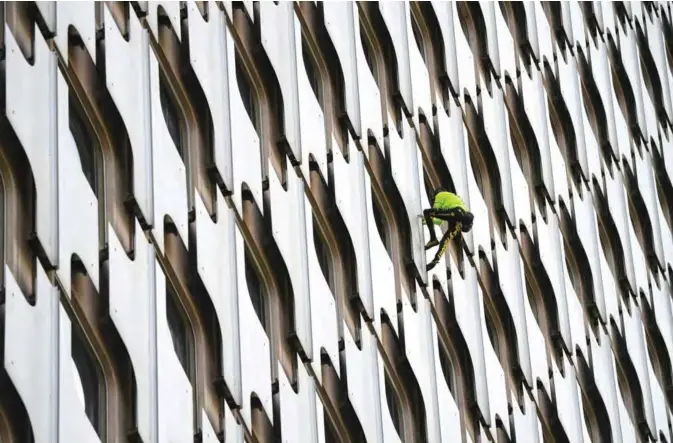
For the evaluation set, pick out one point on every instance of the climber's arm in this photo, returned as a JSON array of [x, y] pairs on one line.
[[429, 214]]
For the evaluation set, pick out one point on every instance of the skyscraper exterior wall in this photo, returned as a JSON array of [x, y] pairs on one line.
[[212, 232]]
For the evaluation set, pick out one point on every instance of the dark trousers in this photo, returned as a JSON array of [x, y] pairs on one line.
[[458, 221], [452, 216]]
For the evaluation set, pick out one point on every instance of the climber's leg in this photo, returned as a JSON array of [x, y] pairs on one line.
[[427, 215], [454, 229]]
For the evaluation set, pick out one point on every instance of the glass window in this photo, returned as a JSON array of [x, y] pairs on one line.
[[87, 374], [311, 71], [447, 368], [324, 257], [418, 37], [492, 331], [380, 221], [179, 331], [368, 54], [85, 147], [394, 407], [246, 93], [171, 115], [257, 292]]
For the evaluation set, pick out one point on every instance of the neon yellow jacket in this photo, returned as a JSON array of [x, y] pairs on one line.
[[447, 200]]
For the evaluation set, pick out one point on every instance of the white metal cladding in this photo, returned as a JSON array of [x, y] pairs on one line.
[[281, 220]]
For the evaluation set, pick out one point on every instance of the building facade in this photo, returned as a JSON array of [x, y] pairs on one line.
[[211, 222]]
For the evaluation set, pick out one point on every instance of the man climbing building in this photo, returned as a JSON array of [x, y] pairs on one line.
[[446, 207]]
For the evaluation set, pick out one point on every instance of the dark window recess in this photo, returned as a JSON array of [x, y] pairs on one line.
[[324, 258], [311, 71], [380, 222], [89, 376], [171, 116], [418, 38], [256, 291], [85, 147], [279, 111], [179, 331], [490, 329], [368, 54], [246, 93], [447, 368], [395, 407]]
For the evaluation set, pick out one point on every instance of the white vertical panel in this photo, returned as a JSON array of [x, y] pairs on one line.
[[350, 195], [216, 259], [75, 196], [132, 280], [344, 31], [384, 283], [208, 48], [497, 131], [169, 175], [174, 390], [496, 384], [568, 401], [587, 230], [552, 256], [170, 9], [634, 335], [34, 374], [449, 414], [288, 227], [30, 101], [298, 416], [512, 284], [397, 19], [568, 78], [418, 331], [81, 17], [603, 368], [128, 80], [324, 329], [617, 205], [255, 360], [405, 165], [467, 301], [75, 425], [535, 105], [245, 142], [644, 169], [364, 371]]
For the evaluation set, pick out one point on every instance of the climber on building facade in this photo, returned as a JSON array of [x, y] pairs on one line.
[[446, 207]]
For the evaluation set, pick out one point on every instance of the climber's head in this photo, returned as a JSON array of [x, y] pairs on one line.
[[437, 191]]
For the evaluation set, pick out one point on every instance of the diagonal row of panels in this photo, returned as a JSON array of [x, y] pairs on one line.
[[212, 232]]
